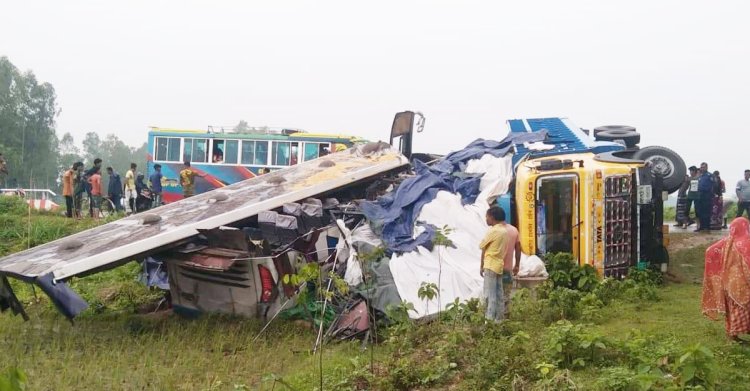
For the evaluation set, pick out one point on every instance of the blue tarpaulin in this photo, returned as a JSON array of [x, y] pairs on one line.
[[394, 215], [65, 299]]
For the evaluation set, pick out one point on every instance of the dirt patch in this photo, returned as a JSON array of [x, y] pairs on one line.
[[682, 241], [687, 255]]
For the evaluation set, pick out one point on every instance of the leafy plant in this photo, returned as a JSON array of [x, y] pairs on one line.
[[312, 294], [441, 240], [560, 303], [697, 367], [427, 292], [572, 346], [564, 272], [647, 276], [463, 312]]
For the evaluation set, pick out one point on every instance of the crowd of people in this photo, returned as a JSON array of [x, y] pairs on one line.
[[703, 192], [129, 196]]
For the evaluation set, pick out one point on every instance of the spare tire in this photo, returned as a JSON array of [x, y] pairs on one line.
[[631, 139], [665, 162], [606, 128]]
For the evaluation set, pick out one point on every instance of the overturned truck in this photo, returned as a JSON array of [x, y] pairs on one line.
[[229, 249]]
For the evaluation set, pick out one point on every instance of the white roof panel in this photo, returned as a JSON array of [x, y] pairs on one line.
[[128, 237]]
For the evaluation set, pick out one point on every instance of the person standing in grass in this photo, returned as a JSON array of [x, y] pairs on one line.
[[68, 188], [704, 205], [95, 183], [114, 192], [156, 189], [79, 188], [726, 280], [496, 265], [693, 197], [743, 195], [87, 183], [131, 194]]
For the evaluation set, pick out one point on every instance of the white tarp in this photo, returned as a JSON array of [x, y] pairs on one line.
[[454, 270]]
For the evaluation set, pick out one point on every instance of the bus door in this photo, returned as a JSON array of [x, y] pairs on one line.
[[557, 217]]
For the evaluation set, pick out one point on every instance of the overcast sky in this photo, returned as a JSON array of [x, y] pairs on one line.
[[677, 70]]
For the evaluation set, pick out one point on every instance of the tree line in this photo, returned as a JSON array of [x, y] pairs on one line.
[[35, 157]]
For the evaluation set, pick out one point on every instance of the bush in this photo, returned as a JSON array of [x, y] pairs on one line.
[[566, 273], [697, 367], [571, 345], [648, 276], [558, 303], [616, 379]]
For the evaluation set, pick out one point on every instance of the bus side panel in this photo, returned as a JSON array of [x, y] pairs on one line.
[[210, 177]]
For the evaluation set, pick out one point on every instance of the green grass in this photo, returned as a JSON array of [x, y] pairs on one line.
[[122, 351], [112, 347]]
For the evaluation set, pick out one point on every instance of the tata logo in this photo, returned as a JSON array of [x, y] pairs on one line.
[[529, 197]]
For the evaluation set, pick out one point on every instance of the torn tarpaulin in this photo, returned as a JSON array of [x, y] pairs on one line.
[[8, 299], [65, 299], [394, 215]]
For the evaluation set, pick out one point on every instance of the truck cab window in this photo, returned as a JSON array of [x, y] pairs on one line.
[[556, 215]]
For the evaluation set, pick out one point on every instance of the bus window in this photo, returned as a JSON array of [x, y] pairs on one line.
[[231, 151], [200, 150], [167, 149], [280, 154], [162, 144], [294, 154], [173, 150], [255, 153], [248, 152], [217, 151], [312, 151], [188, 148], [261, 153]]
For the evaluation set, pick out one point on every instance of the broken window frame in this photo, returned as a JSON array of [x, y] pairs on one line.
[[319, 147]]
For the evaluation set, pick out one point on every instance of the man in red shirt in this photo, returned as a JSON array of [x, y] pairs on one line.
[[95, 182]]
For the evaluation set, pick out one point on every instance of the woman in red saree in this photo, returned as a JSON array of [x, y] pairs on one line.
[[726, 282]]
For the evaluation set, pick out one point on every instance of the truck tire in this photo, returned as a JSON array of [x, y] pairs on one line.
[[665, 162], [631, 139], [606, 128]]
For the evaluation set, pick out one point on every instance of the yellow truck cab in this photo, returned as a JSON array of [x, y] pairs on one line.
[[597, 199]]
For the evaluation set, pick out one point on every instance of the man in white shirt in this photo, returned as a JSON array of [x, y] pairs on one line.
[[743, 195]]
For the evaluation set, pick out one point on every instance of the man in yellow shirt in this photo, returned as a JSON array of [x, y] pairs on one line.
[[187, 180], [494, 268], [130, 192]]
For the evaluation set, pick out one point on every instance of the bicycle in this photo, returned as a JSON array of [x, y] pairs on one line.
[[106, 209]]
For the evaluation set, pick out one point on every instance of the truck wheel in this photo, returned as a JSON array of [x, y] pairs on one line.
[[624, 128], [630, 138], [665, 162]]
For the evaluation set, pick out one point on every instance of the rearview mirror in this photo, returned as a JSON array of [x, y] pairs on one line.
[[403, 129]]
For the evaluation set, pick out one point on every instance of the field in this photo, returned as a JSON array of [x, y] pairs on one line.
[[641, 335]]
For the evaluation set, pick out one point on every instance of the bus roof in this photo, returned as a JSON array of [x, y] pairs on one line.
[[301, 135]]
